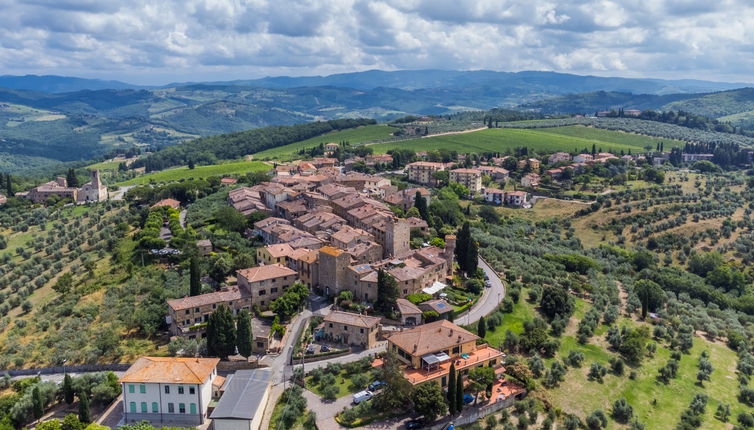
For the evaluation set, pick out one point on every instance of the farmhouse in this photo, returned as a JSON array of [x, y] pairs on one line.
[[266, 283], [351, 329]]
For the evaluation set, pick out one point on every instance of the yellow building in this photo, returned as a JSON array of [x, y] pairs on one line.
[[274, 254], [422, 172]]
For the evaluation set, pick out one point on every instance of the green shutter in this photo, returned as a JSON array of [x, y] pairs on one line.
[[193, 408], [142, 388], [131, 388], [144, 407], [155, 408], [133, 407]]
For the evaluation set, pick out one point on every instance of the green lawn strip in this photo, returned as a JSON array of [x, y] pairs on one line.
[[353, 136], [199, 172], [502, 139], [105, 165], [514, 321], [612, 136], [342, 381]]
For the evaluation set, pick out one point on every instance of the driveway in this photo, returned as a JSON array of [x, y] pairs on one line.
[[490, 300], [326, 410]]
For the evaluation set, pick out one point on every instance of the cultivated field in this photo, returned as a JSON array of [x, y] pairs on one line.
[[570, 139], [199, 172], [353, 136]]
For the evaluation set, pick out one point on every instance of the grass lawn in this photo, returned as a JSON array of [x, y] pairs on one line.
[[354, 136], [342, 381], [543, 209], [544, 140], [105, 165], [514, 321], [199, 172], [612, 136]]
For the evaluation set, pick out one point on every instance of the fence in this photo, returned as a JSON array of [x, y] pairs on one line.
[[471, 414]]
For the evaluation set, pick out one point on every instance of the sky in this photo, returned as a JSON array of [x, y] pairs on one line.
[[161, 41]]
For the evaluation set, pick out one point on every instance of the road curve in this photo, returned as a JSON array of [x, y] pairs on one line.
[[490, 300]]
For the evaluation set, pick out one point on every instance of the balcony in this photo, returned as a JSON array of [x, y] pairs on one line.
[[482, 355]]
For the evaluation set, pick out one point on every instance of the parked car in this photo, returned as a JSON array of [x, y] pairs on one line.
[[414, 424], [324, 348], [362, 396], [468, 398], [376, 385], [310, 349]]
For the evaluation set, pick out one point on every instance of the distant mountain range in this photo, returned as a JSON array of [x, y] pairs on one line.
[[44, 119]]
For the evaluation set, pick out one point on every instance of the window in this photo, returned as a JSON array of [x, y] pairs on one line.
[[198, 320], [131, 388], [330, 325], [273, 290], [167, 389], [260, 345], [181, 408], [188, 311], [361, 330], [180, 389], [142, 388], [155, 408], [171, 408], [456, 349], [345, 328], [214, 305], [262, 292], [192, 390], [192, 408], [196, 309], [143, 407], [132, 407]]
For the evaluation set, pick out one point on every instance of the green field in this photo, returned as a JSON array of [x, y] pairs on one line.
[[569, 139], [105, 165], [353, 135], [199, 172]]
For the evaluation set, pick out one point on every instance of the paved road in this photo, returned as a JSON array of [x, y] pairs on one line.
[[490, 300], [182, 218], [118, 195]]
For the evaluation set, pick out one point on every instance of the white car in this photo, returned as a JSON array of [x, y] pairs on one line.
[[362, 396]]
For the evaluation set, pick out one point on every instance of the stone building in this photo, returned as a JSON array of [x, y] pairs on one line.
[[351, 329]]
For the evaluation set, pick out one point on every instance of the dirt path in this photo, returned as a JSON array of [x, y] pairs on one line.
[[455, 132]]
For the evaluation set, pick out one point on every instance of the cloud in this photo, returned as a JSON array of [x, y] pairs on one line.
[[174, 40]]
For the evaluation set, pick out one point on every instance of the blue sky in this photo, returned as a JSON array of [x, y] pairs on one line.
[[150, 42]]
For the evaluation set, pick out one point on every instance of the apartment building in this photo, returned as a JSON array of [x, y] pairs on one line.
[[422, 172], [470, 178]]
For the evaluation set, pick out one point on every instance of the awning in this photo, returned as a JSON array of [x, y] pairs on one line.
[[434, 288]]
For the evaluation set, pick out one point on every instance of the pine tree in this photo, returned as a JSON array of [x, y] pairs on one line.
[[221, 333], [452, 389], [68, 392], [71, 178], [481, 327], [84, 414], [195, 277], [243, 333], [38, 404], [459, 393]]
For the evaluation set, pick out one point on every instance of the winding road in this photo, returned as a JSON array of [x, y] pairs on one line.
[[490, 299]]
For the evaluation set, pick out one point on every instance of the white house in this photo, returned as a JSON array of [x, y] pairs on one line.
[[168, 390]]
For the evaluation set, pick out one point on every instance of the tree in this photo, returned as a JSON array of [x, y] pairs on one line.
[[68, 392], [221, 333], [9, 186], [467, 251], [420, 203], [72, 422], [459, 393], [195, 277], [397, 391], [481, 327], [63, 284], [556, 301], [622, 411], [429, 401], [243, 333], [452, 389], [387, 292], [489, 215], [650, 295], [71, 179], [38, 403], [230, 219], [596, 420], [481, 377], [84, 413], [52, 424]]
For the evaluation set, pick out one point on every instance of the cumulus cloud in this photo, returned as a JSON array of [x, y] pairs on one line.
[[172, 40]]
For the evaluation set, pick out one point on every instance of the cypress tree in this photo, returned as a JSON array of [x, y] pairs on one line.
[[84, 414], [387, 291], [221, 333], [459, 393], [452, 389], [462, 246], [71, 178], [421, 205], [8, 185], [481, 327], [243, 333], [472, 258], [38, 404], [68, 389], [195, 277]]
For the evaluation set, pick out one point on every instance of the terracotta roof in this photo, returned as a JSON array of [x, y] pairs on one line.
[[173, 203], [467, 171], [405, 307], [432, 337], [190, 302], [279, 250], [170, 370], [440, 306], [331, 250], [261, 273], [228, 180], [352, 319], [426, 164]]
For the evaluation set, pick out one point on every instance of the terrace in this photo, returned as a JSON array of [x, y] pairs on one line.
[[439, 366]]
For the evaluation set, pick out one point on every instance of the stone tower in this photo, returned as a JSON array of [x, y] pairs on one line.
[[333, 263], [397, 236], [450, 249]]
